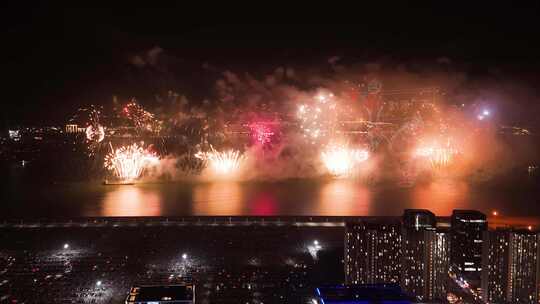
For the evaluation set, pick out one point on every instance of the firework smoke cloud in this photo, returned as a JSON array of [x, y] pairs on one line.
[[364, 120]]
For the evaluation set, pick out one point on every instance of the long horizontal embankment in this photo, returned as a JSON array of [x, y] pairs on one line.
[[298, 221]]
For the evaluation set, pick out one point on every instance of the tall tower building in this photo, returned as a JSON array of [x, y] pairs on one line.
[[372, 252], [438, 263], [523, 271], [467, 228], [511, 270], [425, 256], [495, 266]]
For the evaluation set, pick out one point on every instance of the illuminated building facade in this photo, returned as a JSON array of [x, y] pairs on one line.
[[511, 271], [495, 266], [523, 269], [372, 253], [438, 263], [467, 228], [73, 128], [425, 256]]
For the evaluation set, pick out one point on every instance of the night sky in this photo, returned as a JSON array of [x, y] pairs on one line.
[[58, 59]]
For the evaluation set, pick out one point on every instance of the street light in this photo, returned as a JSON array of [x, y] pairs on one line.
[[495, 213], [184, 256], [66, 246], [98, 283]]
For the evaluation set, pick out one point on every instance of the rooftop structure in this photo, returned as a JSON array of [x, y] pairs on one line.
[[178, 294], [370, 293]]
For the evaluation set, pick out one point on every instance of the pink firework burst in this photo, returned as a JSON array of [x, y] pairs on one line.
[[261, 132]]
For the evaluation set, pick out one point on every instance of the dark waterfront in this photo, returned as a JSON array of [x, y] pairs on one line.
[[516, 201]]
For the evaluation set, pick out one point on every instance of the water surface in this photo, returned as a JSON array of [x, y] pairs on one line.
[[291, 197]]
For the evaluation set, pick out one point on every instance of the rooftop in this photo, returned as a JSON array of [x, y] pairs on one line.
[[161, 294], [370, 293]]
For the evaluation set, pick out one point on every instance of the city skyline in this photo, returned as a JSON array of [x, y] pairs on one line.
[[160, 155], [413, 251]]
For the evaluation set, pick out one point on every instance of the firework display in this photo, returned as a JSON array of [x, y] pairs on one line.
[[287, 130], [128, 162], [438, 155], [261, 133], [141, 119], [341, 161], [91, 118], [95, 133], [222, 164], [318, 118]]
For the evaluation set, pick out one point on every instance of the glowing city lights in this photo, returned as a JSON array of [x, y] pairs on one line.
[[314, 249]]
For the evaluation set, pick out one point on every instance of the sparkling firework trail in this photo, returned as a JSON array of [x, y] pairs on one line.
[[128, 162], [95, 133], [341, 161], [438, 155], [261, 133], [392, 125], [223, 164], [318, 119], [142, 119]]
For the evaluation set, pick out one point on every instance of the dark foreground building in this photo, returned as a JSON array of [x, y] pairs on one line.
[[371, 293], [467, 231], [511, 271], [425, 256], [413, 252], [170, 294], [372, 252], [418, 219]]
